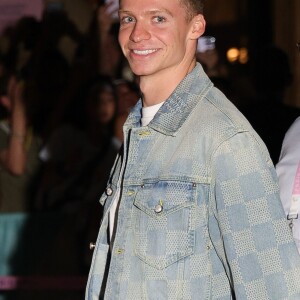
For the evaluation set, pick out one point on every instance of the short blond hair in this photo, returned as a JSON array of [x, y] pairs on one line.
[[193, 7]]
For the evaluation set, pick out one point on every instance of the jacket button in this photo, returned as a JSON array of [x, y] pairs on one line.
[[108, 191], [92, 246], [158, 208]]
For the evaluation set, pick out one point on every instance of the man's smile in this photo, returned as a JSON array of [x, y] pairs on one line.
[[144, 52]]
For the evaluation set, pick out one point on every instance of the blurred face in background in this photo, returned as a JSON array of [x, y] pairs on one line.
[[127, 97], [106, 107]]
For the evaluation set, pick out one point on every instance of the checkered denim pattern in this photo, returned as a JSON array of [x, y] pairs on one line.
[[219, 231]]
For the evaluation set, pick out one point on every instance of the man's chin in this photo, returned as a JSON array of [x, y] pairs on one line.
[[141, 72], [141, 69]]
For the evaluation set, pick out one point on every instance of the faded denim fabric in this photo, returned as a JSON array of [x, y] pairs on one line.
[[199, 214]]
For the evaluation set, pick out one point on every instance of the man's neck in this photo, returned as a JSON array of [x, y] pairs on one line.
[[158, 88]]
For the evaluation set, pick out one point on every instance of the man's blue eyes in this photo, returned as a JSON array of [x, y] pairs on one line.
[[127, 19], [160, 19], [157, 19]]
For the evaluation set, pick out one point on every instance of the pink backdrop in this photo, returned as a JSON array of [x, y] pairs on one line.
[[12, 10]]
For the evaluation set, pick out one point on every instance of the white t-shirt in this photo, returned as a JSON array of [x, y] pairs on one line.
[[286, 170], [148, 114]]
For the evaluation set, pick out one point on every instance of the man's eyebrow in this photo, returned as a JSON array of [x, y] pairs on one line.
[[150, 12], [158, 11], [124, 11]]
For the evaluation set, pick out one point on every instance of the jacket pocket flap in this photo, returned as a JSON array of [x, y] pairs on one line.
[[165, 197]]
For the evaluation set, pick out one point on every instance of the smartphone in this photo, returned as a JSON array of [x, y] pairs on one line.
[[206, 43], [114, 6]]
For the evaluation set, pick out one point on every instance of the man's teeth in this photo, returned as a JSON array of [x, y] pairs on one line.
[[143, 52]]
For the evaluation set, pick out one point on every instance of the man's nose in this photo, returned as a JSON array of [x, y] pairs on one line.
[[140, 32]]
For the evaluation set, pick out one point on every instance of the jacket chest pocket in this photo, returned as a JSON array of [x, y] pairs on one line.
[[164, 223]]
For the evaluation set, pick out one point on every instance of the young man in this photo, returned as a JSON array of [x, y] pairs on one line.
[[191, 209]]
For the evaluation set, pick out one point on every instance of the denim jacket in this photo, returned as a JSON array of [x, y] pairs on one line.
[[199, 213]]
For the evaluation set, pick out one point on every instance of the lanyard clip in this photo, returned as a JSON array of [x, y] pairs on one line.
[[292, 217]]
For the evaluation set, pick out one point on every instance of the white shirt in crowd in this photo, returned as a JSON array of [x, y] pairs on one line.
[[289, 163]]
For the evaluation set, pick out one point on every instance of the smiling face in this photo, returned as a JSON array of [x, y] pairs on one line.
[[156, 37]]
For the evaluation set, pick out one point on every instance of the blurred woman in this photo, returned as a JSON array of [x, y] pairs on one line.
[[19, 146], [76, 149]]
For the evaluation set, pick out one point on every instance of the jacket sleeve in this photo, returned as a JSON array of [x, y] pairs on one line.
[[258, 250]]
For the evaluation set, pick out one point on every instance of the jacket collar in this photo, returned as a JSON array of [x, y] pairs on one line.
[[176, 109]]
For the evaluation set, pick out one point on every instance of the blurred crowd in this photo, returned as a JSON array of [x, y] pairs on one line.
[[64, 97]]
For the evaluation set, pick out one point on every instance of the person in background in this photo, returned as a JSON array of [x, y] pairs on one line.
[[128, 94], [19, 146], [191, 207], [76, 148], [109, 55], [207, 54], [76, 160], [288, 171], [101, 51], [268, 113]]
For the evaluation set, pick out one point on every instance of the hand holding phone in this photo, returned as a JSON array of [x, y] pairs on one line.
[[206, 43], [112, 7]]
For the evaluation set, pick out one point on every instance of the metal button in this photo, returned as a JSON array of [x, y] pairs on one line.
[[130, 193], [158, 208], [120, 251], [108, 191], [92, 246], [144, 133]]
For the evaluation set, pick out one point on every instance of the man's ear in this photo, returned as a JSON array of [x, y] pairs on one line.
[[198, 26]]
